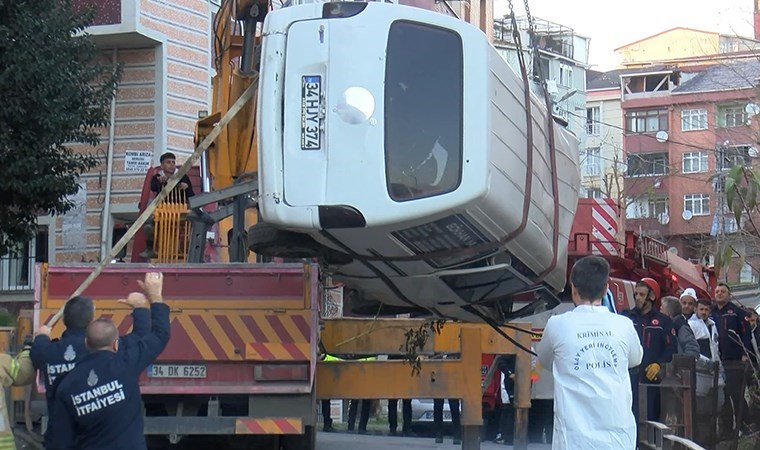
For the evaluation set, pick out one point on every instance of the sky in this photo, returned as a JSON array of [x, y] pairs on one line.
[[613, 23]]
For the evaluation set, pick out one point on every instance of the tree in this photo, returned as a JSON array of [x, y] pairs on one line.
[[54, 93]]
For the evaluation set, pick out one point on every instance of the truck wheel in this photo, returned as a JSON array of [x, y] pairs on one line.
[[264, 239], [305, 441]]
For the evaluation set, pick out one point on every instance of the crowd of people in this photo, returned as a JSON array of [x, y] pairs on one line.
[[600, 359]]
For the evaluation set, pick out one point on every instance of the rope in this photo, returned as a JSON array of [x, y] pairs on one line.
[[170, 184]]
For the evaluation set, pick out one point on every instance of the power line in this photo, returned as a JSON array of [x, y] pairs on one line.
[[689, 176], [697, 147], [673, 165]]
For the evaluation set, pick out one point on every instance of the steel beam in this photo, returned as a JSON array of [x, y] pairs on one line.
[[383, 336], [448, 378]]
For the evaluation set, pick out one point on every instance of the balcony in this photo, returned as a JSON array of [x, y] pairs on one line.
[[649, 85], [17, 273], [117, 23], [550, 37], [107, 12]]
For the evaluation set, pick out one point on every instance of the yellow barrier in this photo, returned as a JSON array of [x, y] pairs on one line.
[[171, 232]]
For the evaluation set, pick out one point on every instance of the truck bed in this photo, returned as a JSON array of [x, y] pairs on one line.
[[225, 320]]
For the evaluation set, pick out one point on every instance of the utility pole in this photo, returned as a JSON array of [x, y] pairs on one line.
[[720, 191]]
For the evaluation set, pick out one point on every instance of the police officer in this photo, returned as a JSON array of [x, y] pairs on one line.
[[658, 339], [14, 371], [97, 404], [57, 357]]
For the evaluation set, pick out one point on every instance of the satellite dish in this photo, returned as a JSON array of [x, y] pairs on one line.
[[661, 136], [673, 251], [752, 152], [752, 108], [687, 215], [663, 218]]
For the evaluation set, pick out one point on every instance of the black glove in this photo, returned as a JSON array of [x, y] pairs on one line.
[[28, 340]]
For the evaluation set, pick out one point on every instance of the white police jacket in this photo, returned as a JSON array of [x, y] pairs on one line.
[[589, 351]]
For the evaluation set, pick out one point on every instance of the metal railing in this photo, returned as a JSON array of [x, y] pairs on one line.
[[653, 248], [17, 272], [172, 230], [701, 406]]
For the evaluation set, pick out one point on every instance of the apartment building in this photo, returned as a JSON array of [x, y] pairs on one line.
[[602, 158], [563, 56], [164, 48], [682, 46], [684, 129]]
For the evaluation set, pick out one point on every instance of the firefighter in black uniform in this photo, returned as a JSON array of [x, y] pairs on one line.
[[658, 339], [97, 404], [733, 339], [57, 357]]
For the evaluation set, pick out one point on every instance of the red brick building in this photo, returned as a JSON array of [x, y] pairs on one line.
[[684, 128]]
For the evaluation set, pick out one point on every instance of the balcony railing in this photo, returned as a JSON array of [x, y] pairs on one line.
[[17, 272]]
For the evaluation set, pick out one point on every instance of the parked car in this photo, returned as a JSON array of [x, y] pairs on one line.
[[422, 411]]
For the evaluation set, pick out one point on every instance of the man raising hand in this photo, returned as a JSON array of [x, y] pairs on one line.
[[97, 405]]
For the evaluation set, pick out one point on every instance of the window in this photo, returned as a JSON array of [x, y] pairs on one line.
[[693, 119], [594, 193], [591, 162], [729, 47], [646, 121], [593, 119], [730, 116], [647, 164], [658, 208], [735, 155], [648, 208], [746, 275], [17, 266], [565, 75], [424, 73], [698, 204], [694, 162]]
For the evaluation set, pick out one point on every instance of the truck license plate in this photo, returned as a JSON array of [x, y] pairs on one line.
[[176, 371], [311, 110]]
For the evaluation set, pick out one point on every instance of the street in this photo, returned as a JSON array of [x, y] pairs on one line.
[[345, 441]]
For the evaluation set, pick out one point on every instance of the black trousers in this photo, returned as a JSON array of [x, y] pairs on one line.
[[456, 424], [364, 415], [733, 410], [406, 414], [507, 423], [326, 413]]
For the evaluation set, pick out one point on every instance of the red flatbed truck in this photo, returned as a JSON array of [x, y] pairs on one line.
[[241, 359]]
